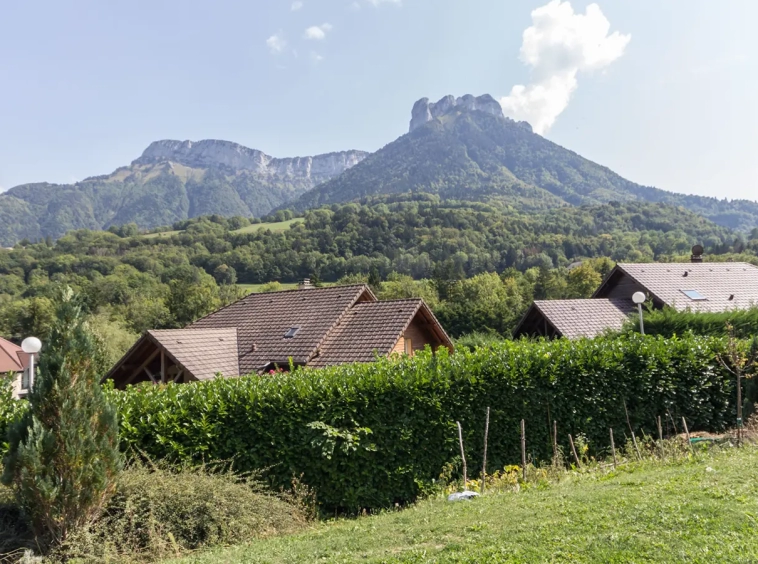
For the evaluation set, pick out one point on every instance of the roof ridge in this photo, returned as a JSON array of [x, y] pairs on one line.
[[253, 294]]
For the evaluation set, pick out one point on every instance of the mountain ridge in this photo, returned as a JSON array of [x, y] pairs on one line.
[[457, 148], [172, 180], [464, 148]]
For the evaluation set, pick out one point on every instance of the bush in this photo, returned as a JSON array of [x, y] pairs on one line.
[[63, 452], [161, 511], [10, 410], [669, 322], [368, 436]]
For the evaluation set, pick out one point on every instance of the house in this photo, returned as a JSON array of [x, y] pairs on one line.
[[695, 286], [15, 362], [313, 327]]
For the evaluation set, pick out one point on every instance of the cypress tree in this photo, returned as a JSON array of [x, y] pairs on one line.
[[63, 456]]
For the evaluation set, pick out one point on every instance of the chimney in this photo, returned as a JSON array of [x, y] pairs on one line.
[[305, 284], [697, 254]]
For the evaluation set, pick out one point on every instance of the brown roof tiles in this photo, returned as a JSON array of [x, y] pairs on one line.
[[585, 318], [202, 352], [716, 281]]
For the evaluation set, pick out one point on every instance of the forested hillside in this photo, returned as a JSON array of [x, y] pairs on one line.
[[477, 265], [474, 155], [171, 181]]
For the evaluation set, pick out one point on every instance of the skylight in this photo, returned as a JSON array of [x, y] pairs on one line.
[[694, 295], [291, 332]]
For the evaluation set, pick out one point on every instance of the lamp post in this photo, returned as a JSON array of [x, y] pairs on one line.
[[31, 346], [639, 298]]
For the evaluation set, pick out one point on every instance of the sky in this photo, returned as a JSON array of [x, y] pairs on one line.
[[664, 92]]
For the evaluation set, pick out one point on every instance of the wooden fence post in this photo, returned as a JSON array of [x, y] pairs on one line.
[[687, 432], [484, 460], [463, 457], [613, 448], [523, 449], [660, 435], [573, 450], [555, 443], [634, 439]]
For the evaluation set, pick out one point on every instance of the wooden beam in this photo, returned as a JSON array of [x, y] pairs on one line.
[[151, 376], [178, 375], [142, 366], [163, 367]]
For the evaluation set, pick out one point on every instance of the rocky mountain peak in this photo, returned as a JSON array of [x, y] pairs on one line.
[[425, 111], [210, 153]]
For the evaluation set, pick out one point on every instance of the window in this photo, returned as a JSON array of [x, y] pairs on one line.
[[291, 332], [694, 295], [408, 346]]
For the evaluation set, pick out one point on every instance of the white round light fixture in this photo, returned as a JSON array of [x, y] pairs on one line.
[[639, 298], [31, 345]]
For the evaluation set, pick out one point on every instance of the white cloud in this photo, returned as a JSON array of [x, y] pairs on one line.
[[276, 43], [317, 32], [380, 2], [297, 5], [316, 58], [558, 45]]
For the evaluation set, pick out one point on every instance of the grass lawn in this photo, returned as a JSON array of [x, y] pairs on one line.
[[703, 510], [275, 227], [163, 234]]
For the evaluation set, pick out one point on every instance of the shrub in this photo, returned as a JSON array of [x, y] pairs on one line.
[[63, 452], [368, 436], [10, 410], [669, 322], [159, 511]]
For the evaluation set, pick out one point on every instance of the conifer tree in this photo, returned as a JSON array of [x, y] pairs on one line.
[[63, 456]]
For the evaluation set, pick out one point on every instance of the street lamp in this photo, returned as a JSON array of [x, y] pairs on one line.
[[31, 346], [639, 298]]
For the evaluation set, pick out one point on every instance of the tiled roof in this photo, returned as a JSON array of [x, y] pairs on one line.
[[12, 358], [262, 320], [203, 352], [716, 281], [368, 329], [585, 318]]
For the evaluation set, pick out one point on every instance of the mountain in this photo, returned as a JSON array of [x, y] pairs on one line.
[[172, 180], [467, 149]]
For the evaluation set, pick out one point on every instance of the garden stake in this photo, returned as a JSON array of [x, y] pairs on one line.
[[555, 443], [573, 450], [484, 458], [660, 435], [687, 431], [634, 439], [463, 457], [523, 449], [613, 448]]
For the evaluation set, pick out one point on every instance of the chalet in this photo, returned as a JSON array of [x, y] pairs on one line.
[[695, 286], [15, 362], [313, 327]]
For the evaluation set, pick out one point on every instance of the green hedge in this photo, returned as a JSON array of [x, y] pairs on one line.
[[368, 436], [669, 322], [9, 410]]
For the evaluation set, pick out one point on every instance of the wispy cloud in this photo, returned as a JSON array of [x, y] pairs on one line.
[[297, 5], [276, 43], [317, 32], [316, 58], [380, 2], [557, 46]]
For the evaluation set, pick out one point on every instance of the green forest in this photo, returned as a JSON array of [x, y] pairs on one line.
[[477, 265]]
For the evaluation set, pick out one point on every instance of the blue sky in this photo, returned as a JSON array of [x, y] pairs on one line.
[[85, 86]]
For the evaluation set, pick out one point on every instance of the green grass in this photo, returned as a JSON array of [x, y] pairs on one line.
[[703, 510], [162, 234], [275, 227], [257, 288]]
